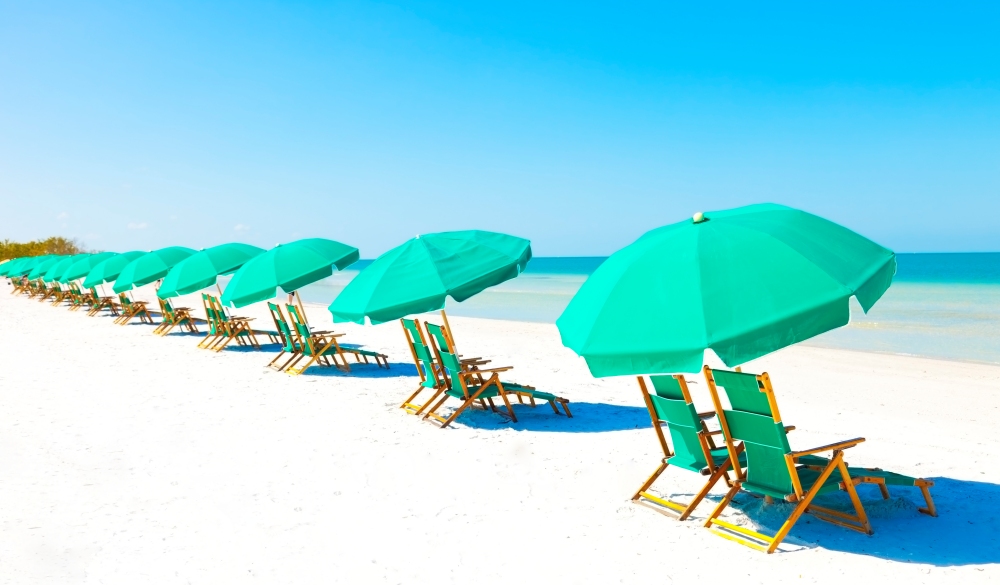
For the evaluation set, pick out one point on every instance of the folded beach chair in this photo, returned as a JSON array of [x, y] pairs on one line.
[[442, 339], [285, 338], [322, 347], [466, 386], [773, 470], [694, 447], [131, 309], [428, 370], [179, 317]]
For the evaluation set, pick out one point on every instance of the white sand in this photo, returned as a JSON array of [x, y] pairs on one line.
[[129, 458]]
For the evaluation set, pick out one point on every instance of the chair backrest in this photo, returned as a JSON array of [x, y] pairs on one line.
[[450, 364], [301, 328], [422, 353], [125, 301], [168, 310], [440, 336], [752, 422], [284, 331], [672, 405], [210, 313]]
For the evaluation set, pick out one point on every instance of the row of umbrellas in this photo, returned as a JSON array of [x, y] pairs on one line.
[[741, 282]]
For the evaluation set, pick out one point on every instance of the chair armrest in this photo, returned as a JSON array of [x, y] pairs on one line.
[[789, 428], [830, 447], [487, 371], [706, 415]]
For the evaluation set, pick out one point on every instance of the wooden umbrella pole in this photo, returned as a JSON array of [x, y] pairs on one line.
[[447, 327], [224, 308], [301, 307]]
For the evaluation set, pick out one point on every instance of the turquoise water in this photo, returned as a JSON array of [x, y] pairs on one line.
[[940, 305]]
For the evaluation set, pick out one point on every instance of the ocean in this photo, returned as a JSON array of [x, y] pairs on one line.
[[940, 305]]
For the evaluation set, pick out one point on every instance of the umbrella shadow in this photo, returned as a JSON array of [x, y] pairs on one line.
[[963, 533], [588, 417]]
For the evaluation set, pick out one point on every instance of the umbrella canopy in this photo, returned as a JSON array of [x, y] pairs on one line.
[[109, 269], [202, 269], [742, 282], [55, 272], [82, 266], [419, 275], [6, 266], [289, 266], [150, 267], [24, 265], [42, 267]]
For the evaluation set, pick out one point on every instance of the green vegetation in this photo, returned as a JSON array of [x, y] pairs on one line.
[[54, 245]]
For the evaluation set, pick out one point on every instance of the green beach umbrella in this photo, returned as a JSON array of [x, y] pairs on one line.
[[42, 267], [201, 270], [55, 272], [288, 266], [82, 267], [743, 282], [419, 275], [150, 267], [24, 265], [8, 265], [109, 269]]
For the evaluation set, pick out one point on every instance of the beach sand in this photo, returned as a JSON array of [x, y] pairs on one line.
[[130, 458]]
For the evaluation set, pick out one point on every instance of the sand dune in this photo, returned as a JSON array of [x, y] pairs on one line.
[[129, 458]]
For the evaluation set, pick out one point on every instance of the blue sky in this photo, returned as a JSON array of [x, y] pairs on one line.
[[577, 125]]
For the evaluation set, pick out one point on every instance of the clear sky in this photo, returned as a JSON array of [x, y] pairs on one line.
[[136, 125]]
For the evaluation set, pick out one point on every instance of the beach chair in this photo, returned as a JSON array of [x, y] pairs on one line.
[[21, 285], [322, 347], [773, 470], [179, 317], [131, 309], [694, 447], [285, 337], [45, 292], [467, 386], [76, 297], [231, 328], [442, 339], [423, 359], [59, 294], [100, 303]]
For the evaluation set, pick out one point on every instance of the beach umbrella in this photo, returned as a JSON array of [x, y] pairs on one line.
[[24, 265], [150, 267], [81, 267], [108, 270], [56, 270], [202, 269], [42, 267], [743, 282], [288, 266], [6, 266], [420, 274]]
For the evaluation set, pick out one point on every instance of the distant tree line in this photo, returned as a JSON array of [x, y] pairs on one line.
[[54, 245]]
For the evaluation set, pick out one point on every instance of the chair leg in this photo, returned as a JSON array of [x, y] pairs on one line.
[[924, 485], [652, 479]]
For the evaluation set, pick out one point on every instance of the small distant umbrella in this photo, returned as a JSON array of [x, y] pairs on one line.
[[289, 267], [202, 270], [25, 265], [56, 271], [742, 282], [82, 267], [420, 274], [6, 265], [109, 269], [43, 266], [150, 267]]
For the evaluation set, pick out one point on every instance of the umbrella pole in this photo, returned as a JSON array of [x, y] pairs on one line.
[[224, 308], [301, 308], [447, 328]]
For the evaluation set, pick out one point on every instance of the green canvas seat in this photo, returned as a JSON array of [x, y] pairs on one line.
[[430, 376], [285, 338], [132, 309], [223, 329], [694, 448], [468, 387], [774, 470], [322, 347], [179, 317]]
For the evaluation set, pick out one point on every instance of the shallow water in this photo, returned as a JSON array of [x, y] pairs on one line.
[[940, 305]]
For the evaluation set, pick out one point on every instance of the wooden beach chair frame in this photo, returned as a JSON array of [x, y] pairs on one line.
[[677, 413], [457, 386], [285, 337], [323, 348], [174, 317], [131, 309], [429, 371]]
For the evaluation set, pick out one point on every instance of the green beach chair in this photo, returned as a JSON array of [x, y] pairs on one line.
[[179, 317], [285, 337], [773, 470], [694, 447], [132, 309], [76, 297], [430, 377], [322, 347], [231, 328], [468, 387], [99, 303], [443, 339], [58, 294]]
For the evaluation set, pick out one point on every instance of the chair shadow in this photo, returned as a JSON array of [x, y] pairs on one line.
[[264, 347], [963, 533], [588, 417], [363, 370]]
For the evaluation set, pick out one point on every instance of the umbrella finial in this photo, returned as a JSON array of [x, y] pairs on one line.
[[699, 217]]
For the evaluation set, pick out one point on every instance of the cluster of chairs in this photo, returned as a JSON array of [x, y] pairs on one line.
[[754, 456], [302, 346], [445, 374]]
